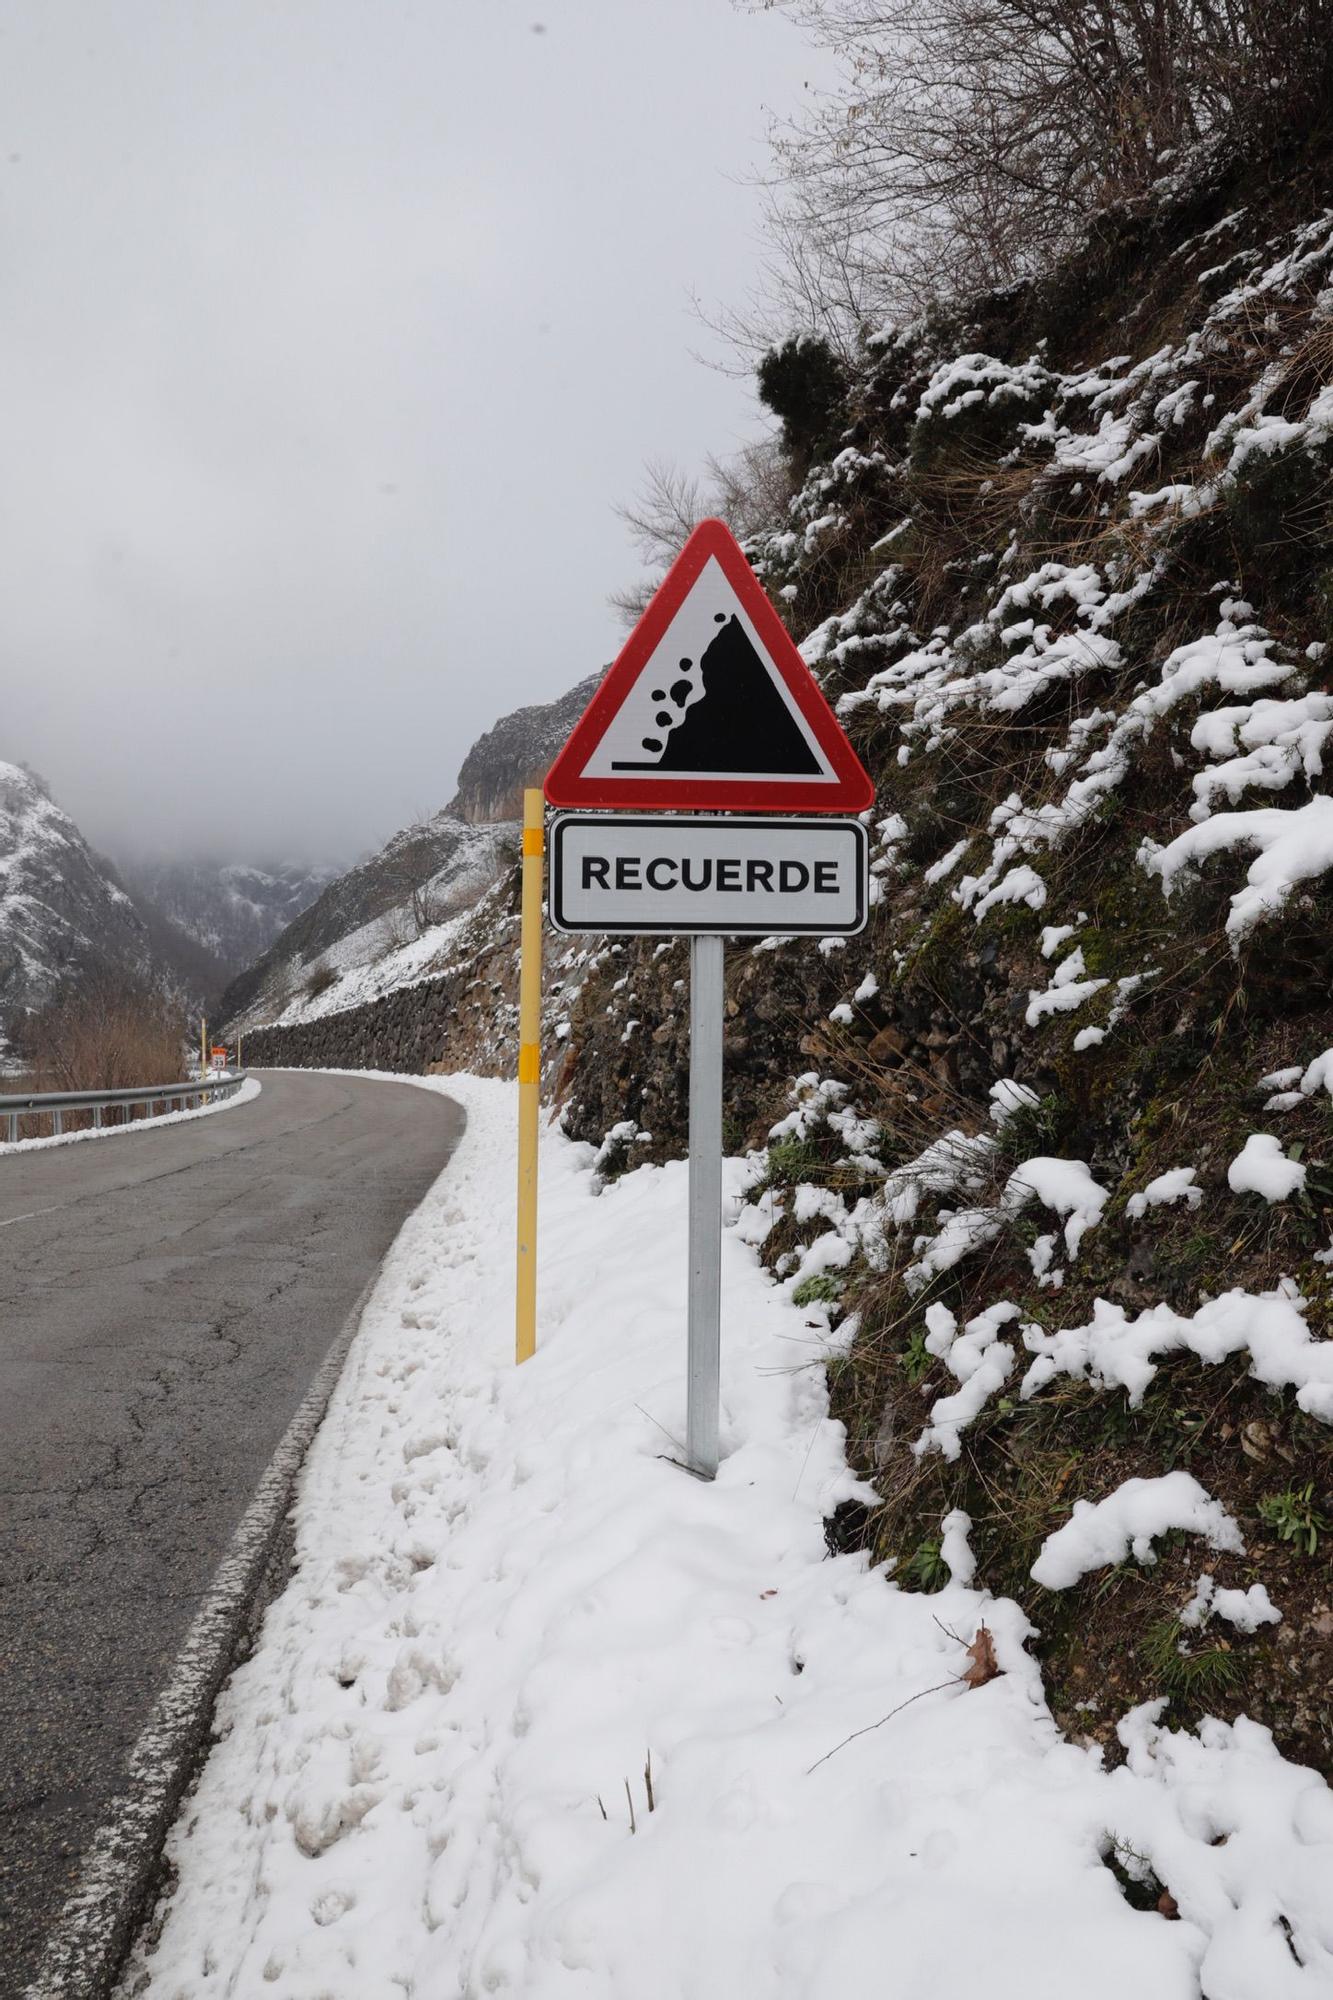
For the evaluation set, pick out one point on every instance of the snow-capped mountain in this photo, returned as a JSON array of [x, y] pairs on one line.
[[63, 910], [233, 910], [381, 925], [400, 916]]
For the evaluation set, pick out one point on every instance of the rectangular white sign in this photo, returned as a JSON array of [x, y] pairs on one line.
[[678, 875]]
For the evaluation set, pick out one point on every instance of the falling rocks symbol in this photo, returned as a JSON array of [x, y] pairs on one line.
[[709, 706], [738, 723]]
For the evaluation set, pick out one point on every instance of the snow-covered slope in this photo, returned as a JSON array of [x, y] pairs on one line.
[[413, 909], [386, 923], [232, 909], [63, 910], [541, 1716]]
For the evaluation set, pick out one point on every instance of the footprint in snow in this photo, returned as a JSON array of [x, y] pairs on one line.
[[331, 1904]]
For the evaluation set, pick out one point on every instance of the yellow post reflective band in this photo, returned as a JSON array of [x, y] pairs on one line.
[[529, 1075]]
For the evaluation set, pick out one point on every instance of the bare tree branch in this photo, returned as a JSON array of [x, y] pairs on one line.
[[969, 141]]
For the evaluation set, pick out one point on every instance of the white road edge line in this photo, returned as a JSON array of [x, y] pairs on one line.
[[84, 1951]]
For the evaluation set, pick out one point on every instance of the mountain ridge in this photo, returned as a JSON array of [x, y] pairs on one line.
[[400, 916], [63, 910], [69, 913]]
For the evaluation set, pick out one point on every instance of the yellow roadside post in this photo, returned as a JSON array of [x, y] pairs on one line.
[[529, 1073]]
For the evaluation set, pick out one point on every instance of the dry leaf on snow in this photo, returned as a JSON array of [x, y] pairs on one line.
[[982, 1663]]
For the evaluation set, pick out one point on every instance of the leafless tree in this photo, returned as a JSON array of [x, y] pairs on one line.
[[815, 278], [407, 869], [970, 140], [426, 910], [107, 1033], [749, 491]]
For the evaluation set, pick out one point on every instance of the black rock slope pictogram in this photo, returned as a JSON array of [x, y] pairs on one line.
[[739, 722]]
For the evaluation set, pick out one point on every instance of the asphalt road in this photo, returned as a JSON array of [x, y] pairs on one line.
[[165, 1300]]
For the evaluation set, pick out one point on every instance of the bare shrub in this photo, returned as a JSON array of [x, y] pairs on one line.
[[322, 976], [108, 1033], [425, 906], [408, 868], [749, 491], [394, 932]]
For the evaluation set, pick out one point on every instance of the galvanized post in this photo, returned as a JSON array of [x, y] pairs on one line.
[[705, 1301], [57, 1122]]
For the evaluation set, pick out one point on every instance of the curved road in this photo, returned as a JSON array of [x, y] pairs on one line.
[[165, 1300]]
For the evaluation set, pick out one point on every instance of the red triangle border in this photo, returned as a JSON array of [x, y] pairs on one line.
[[853, 790]]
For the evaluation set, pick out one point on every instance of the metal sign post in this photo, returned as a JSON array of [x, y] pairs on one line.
[[705, 1294], [707, 878], [709, 710]]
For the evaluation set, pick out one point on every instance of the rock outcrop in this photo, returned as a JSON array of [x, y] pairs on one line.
[[517, 752], [63, 910]]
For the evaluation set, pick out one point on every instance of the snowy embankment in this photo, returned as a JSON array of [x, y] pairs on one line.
[[248, 1090], [540, 1715], [421, 937]]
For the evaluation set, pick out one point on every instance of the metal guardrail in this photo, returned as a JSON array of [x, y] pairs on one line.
[[53, 1104]]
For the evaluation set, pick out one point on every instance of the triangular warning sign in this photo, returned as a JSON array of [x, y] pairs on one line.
[[710, 706]]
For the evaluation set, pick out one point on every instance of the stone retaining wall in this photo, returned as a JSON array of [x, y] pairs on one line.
[[455, 1022]]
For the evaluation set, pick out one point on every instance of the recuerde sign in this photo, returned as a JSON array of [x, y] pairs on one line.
[[651, 874]]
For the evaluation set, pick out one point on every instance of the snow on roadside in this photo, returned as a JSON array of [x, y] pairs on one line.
[[248, 1090], [431, 1774]]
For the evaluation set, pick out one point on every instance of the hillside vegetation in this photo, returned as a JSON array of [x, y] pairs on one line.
[[1048, 1153]]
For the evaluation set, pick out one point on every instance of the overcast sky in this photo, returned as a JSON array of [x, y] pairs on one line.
[[332, 331]]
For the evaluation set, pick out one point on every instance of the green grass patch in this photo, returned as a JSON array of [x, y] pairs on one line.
[[1295, 1517], [820, 1288]]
